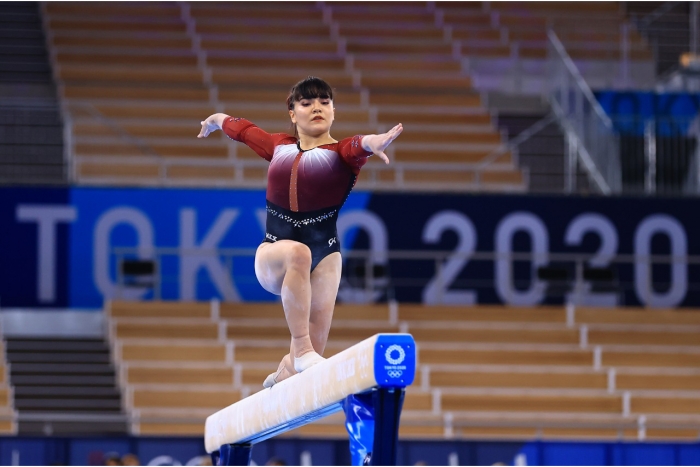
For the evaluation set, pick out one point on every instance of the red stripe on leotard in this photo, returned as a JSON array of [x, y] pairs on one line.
[[293, 197]]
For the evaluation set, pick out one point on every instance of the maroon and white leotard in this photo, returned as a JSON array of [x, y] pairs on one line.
[[305, 188]]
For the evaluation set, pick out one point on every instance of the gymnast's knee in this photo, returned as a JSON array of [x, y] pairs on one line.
[[299, 258]]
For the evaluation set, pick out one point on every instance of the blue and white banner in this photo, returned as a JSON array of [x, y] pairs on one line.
[[151, 450], [60, 247]]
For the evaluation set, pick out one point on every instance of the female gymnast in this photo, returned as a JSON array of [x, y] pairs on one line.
[[309, 178]]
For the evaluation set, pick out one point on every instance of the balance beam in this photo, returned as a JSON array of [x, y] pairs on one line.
[[381, 361]]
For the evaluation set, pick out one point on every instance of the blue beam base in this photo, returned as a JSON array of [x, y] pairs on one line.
[[359, 422], [387, 412], [232, 454], [372, 421]]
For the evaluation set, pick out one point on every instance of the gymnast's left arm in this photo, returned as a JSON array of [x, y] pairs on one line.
[[376, 144]]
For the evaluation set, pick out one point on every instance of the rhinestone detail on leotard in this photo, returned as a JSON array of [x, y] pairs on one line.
[[299, 223]]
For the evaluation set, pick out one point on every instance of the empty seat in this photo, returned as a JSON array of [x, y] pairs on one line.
[[140, 375], [517, 379], [638, 358], [192, 398], [532, 403], [159, 309], [542, 314], [168, 330], [490, 335], [572, 357], [156, 350]]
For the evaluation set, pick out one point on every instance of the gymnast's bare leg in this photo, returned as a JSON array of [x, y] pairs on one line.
[[308, 299]]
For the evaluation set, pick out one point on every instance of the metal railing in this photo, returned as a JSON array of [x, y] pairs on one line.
[[621, 154], [590, 136]]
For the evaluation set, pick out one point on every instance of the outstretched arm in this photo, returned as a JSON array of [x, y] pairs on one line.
[[211, 124], [378, 143], [243, 131]]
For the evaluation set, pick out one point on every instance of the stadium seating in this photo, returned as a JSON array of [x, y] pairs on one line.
[[588, 30], [484, 371], [136, 103], [137, 79], [505, 45]]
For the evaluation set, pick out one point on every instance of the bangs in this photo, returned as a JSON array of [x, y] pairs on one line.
[[309, 88]]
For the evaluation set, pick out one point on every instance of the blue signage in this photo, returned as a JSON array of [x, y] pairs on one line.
[[394, 360], [63, 247]]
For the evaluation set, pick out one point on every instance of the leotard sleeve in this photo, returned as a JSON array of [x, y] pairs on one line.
[[350, 149], [248, 133]]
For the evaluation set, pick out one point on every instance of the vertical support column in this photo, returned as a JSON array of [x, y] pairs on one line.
[[387, 409], [570, 163], [372, 421], [359, 423], [232, 454], [650, 156]]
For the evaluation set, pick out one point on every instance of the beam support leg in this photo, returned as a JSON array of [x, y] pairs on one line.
[[372, 421], [387, 412], [232, 454]]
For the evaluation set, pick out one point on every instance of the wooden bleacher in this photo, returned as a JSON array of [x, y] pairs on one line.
[[411, 69], [588, 30], [8, 414], [484, 371], [134, 105]]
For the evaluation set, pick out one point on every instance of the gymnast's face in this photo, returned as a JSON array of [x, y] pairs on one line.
[[314, 116]]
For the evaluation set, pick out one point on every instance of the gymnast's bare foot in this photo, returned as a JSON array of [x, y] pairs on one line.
[[306, 361], [284, 371], [271, 380]]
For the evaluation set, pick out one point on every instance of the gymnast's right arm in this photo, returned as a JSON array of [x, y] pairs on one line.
[[242, 130]]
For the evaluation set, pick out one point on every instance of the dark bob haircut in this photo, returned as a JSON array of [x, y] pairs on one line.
[[309, 88]]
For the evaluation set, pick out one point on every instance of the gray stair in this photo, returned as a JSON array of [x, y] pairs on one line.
[[22, 42], [65, 386], [57, 345], [68, 357], [63, 391], [52, 403], [62, 405], [31, 129], [64, 380], [51, 427], [48, 367]]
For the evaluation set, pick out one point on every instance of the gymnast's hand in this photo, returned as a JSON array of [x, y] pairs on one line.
[[378, 143], [211, 124]]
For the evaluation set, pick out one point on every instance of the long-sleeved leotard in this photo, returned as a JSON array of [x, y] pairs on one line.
[[305, 188]]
